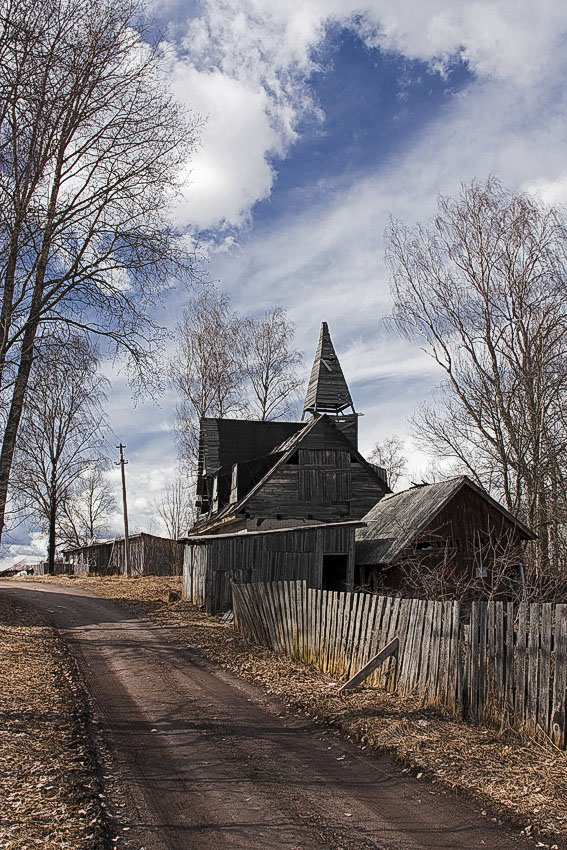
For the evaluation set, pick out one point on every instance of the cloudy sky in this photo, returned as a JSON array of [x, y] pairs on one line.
[[323, 118]]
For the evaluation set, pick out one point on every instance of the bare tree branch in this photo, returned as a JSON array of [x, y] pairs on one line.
[[483, 291], [90, 148]]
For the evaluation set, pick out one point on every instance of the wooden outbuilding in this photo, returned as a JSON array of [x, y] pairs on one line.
[[451, 535], [322, 555], [148, 554]]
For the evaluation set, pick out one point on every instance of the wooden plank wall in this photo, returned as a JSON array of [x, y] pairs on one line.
[[506, 666], [290, 554]]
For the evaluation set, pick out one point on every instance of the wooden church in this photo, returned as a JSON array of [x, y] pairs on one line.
[[282, 500], [297, 501]]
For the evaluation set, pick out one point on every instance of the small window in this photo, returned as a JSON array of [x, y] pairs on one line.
[[480, 572]]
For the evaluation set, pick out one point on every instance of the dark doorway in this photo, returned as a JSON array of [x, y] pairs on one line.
[[335, 569]]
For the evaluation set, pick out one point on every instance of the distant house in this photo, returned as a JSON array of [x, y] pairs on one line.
[[147, 555], [451, 534], [260, 477]]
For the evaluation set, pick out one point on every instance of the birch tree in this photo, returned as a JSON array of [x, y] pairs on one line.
[[206, 369], [90, 148], [176, 507], [271, 364], [483, 289], [87, 508], [61, 434]]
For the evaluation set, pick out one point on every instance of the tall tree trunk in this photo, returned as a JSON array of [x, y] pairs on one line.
[[14, 416], [52, 520]]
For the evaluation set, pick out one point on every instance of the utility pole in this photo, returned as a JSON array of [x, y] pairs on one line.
[[121, 463]]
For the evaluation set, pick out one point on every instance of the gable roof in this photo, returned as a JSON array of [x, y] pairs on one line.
[[397, 519], [327, 391], [280, 455]]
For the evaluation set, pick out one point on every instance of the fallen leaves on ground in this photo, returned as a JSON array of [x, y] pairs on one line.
[[514, 779], [48, 783]]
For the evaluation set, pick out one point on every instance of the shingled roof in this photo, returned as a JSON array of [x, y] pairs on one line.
[[396, 520], [327, 391]]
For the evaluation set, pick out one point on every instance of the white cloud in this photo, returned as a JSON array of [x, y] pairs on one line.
[[246, 65], [222, 183]]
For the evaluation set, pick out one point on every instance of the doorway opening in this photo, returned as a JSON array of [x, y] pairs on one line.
[[335, 569]]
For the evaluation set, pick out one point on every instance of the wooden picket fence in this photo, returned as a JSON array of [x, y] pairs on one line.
[[499, 663]]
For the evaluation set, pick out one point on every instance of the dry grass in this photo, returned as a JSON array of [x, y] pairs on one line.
[[519, 781], [48, 785]]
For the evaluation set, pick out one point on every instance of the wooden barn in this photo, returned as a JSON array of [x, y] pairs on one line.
[[440, 539], [306, 480], [147, 555], [322, 555], [86, 560]]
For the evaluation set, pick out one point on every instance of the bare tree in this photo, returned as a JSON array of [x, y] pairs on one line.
[[61, 433], [90, 146], [270, 364], [389, 454], [176, 507], [85, 511], [207, 369], [483, 290]]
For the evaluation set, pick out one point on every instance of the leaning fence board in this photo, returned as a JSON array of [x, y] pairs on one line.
[[368, 668]]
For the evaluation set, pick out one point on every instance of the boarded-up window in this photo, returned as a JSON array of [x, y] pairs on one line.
[[324, 486]]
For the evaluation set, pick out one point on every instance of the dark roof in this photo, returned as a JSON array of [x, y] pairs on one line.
[[327, 391], [397, 519], [224, 442], [113, 540]]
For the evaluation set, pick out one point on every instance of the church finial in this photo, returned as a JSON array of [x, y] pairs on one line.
[[327, 391]]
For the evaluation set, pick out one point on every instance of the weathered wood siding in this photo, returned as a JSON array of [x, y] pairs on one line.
[[322, 481], [293, 554], [147, 555], [90, 559]]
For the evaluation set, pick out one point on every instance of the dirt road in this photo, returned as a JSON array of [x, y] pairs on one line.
[[194, 758]]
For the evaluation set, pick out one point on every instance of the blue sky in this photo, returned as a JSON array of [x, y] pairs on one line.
[[323, 118]]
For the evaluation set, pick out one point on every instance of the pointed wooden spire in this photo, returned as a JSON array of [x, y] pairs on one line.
[[327, 391]]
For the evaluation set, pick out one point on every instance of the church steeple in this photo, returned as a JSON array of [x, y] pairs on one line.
[[327, 391]]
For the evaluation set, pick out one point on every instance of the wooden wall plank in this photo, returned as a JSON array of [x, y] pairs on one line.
[[558, 711], [533, 659], [544, 668], [521, 664]]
